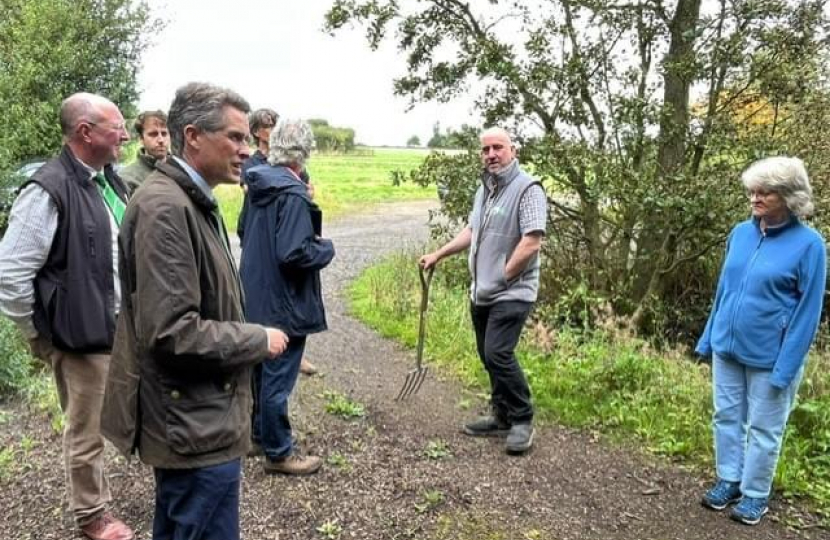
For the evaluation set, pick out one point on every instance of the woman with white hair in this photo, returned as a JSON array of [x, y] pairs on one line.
[[282, 255], [764, 319]]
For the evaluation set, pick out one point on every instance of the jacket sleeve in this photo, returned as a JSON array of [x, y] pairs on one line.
[[704, 345], [167, 300], [295, 245], [812, 275]]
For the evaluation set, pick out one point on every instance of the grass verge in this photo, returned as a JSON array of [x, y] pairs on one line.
[[660, 401], [22, 375]]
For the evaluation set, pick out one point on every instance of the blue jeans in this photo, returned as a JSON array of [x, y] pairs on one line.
[[748, 422], [277, 379], [198, 504]]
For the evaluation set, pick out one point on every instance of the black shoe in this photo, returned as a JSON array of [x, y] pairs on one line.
[[520, 438], [487, 426]]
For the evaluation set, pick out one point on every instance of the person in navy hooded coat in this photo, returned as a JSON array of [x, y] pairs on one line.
[[282, 255]]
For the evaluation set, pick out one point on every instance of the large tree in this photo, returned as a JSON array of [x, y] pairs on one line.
[[50, 49], [642, 184]]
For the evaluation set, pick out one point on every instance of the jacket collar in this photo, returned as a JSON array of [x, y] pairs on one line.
[[777, 229], [177, 173], [147, 159], [73, 164], [502, 177]]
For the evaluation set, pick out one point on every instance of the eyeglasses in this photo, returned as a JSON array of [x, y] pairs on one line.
[[116, 127], [238, 137], [759, 193]]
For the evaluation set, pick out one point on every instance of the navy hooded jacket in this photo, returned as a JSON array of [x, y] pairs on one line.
[[282, 253]]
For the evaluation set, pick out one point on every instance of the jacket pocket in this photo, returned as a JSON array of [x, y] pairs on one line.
[[208, 425], [79, 323], [490, 279]]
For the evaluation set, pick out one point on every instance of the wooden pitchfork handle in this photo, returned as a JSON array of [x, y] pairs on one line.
[[422, 326]]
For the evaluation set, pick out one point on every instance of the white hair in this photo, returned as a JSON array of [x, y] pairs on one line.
[[785, 176], [291, 143]]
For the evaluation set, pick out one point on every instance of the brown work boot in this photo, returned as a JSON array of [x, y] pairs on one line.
[[306, 367], [105, 526], [293, 465]]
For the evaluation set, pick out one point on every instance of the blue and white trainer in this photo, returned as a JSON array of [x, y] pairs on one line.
[[721, 495], [750, 510]]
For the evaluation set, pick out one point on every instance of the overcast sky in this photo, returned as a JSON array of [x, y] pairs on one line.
[[275, 54]]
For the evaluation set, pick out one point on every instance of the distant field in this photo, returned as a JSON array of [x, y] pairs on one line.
[[346, 182]]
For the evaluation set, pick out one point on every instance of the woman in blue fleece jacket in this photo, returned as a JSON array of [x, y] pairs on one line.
[[765, 316]]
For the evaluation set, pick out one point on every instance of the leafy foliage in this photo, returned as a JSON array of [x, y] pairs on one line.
[[339, 405], [331, 138], [451, 138], [642, 186], [10, 182], [50, 49], [16, 365]]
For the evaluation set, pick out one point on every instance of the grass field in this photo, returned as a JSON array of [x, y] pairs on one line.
[[346, 182]]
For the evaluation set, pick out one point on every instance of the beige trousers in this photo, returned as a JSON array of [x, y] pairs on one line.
[[81, 380]]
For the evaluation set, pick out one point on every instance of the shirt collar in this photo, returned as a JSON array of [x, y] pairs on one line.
[[196, 177], [92, 172]]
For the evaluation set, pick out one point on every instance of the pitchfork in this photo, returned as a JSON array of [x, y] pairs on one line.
[[415, 378]]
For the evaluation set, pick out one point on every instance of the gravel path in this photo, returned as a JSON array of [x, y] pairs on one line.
[[403, 470]]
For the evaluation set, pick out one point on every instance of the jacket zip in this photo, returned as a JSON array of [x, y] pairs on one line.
[[741, 291], [485, 218]]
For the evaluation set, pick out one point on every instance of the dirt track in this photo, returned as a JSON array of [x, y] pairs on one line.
[[380, 482]]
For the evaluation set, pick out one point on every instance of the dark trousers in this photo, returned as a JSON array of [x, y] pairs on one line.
[[277, 378], [198, 504], [498, 327]]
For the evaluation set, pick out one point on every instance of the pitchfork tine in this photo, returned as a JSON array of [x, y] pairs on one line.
[[415, 378]]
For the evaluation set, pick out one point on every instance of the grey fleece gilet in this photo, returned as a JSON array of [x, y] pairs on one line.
[[496, 233]]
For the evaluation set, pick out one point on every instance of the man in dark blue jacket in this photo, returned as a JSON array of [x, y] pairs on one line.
[[282, 255]]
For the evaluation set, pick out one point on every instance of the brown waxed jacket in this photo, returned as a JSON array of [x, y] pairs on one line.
[[178, 389]]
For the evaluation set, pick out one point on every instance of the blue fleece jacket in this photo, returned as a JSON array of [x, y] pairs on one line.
[[769, 298]]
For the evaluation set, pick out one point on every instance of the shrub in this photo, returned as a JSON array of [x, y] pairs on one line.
[[16, 365]]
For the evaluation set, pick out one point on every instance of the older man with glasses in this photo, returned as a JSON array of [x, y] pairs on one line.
[[59, 283]]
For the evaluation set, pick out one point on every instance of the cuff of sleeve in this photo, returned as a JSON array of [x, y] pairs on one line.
[[704, 352], [779, 382]]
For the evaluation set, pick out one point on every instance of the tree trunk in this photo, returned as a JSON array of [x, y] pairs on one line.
[[678, 76]]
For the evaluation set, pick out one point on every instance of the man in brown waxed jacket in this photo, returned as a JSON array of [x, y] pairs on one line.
[[178, 390]]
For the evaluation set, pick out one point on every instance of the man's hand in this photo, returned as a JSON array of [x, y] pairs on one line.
[[37, 350], [310, 188], [429, 260], [277, 342]]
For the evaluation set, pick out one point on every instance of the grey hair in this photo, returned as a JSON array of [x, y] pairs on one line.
[[201, 105], [785, 176], [261, 118], [291, 143]]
